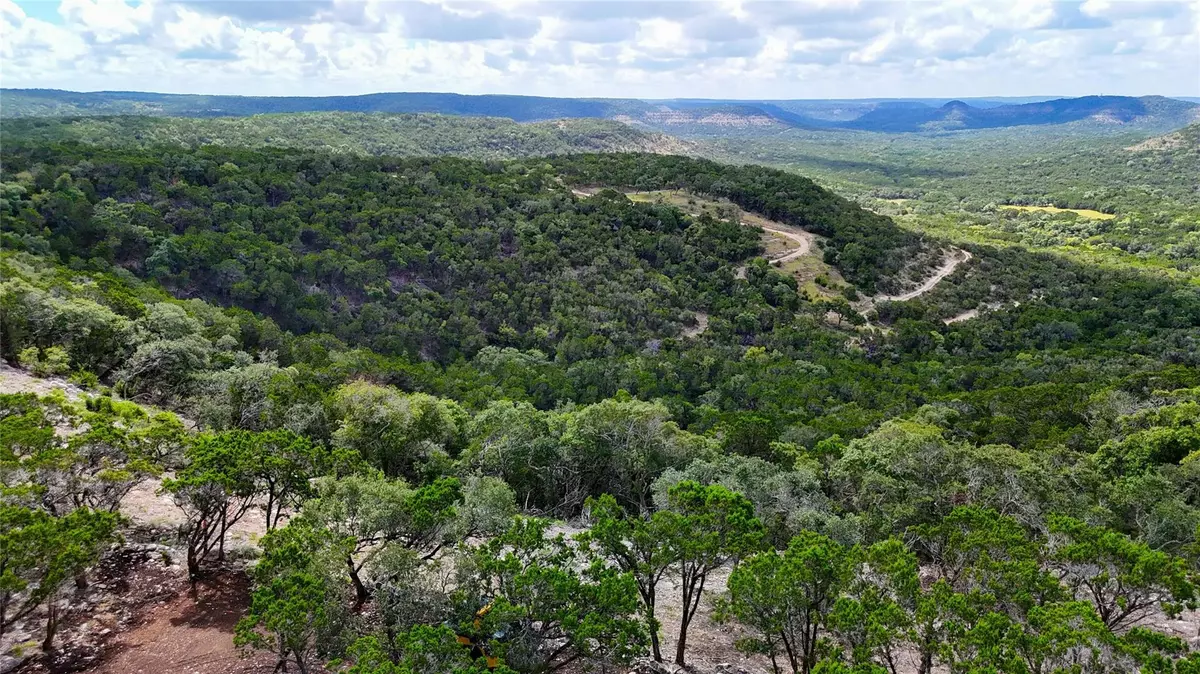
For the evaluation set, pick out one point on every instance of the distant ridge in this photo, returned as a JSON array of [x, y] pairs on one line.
[[402, 135], [1109, 110], [677, 116]]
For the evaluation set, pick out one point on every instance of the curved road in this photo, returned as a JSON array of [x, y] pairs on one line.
[[957, 257], [802, 238]]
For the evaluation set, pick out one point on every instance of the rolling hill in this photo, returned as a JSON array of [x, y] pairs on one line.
[[405, 135], [688, 117], [1097, 110], [1185, 141]]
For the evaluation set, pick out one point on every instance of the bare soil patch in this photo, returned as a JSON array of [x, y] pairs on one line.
[[192, 633], [699, 328], [13, 380], [122, 587]]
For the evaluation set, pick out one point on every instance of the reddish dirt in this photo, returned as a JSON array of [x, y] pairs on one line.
[[192, 633]]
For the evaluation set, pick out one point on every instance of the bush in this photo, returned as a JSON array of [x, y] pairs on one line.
[[53, 361]]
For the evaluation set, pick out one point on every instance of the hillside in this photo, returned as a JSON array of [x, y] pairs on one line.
[[1148, 111], [1184, 142], [698, 117], [53, 102], [403, 368], [402, 135], [440, 258]]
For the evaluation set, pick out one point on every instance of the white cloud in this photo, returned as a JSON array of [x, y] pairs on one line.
[[667, 48]]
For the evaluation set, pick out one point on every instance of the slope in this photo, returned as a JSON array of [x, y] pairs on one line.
[[359, 133], [1145, 112]]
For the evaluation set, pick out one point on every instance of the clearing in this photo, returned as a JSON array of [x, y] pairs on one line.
[[1082, 212], [191, 633]]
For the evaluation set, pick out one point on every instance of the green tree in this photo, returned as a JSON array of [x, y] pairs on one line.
[[372, 513], [784, 598], [620, 447], [874, 618], [706, 527], [1123, 578], [214, 490], [423, 650], [520, 444], [638, 546], [396, 432], [284, 465], [297, 609], [39, 552], [553, 604]]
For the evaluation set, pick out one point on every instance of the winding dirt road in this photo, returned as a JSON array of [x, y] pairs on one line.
[[803, 239], [957, 256]]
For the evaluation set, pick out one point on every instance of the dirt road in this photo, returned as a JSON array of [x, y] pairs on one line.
[[803, 240], [957, 256]]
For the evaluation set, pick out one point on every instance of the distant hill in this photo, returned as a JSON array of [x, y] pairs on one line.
[[358, 133], [1150, 111], [53, 102], [1185, 141], [676, 116]]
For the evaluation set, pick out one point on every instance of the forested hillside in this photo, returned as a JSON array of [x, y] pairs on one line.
[[399, 135], [403, 367]]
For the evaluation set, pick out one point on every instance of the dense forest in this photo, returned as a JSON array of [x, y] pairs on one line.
[[413, 366], [397, 135]]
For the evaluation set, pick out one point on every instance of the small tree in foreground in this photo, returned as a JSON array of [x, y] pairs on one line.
[[552, 604], [39, 552], [638, 547], [704, 528], [783, 598], [298, 607], [372, 514], [214, 491]]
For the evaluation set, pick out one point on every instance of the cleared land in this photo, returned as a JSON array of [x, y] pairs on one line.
[[1081, 212]]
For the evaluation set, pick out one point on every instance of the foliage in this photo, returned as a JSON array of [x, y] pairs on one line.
[[551, 604], [706, 527], [784, 598], [214, 490], [397, 135], [1125, 579], [296, 610], [370, 513], [40, 551]]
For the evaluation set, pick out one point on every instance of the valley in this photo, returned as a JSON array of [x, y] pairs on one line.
[[421, 383]]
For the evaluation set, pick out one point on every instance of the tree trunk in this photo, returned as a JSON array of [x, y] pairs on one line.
[[193, 565], [361, 593], [655, 647], [681, 645], [224, 519], [926, 665], [51, 625]]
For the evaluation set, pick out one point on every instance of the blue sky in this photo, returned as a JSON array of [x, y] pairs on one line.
[[610, 48]]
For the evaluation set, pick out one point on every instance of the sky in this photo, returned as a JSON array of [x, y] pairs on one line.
[[606, 48]]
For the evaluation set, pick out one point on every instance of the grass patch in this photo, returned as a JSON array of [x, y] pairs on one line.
[[1082, 212]]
